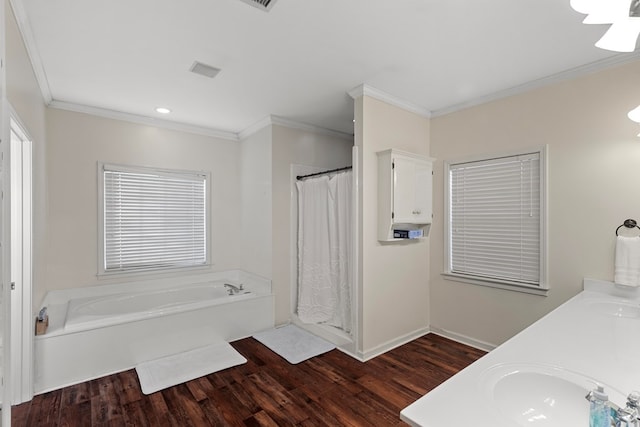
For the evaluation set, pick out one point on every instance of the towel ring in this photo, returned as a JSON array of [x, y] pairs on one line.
[[628, 223]]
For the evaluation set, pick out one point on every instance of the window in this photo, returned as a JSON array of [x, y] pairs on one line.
[[495, 230], [152, 219]]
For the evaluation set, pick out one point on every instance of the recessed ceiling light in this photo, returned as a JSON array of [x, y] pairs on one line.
[[163, 110]]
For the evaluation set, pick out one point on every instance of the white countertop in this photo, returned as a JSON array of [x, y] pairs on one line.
[[578, 337]]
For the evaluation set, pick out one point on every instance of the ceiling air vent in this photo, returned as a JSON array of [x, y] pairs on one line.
[[265, 5], [204, 69], [634, 9]]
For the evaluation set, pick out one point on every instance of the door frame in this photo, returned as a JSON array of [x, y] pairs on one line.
[[5, 277], [22, 323]]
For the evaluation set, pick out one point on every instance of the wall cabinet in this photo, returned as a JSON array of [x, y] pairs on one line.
[[404, 194]]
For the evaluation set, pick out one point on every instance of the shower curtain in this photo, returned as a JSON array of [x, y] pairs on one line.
[[325, 250]]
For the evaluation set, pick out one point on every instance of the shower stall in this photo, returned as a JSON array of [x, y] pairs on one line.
[[324, 252]]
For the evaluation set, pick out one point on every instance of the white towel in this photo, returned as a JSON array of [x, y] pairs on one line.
[[627, 263]]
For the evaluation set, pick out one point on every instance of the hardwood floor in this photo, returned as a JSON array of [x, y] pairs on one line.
[[329, 390]]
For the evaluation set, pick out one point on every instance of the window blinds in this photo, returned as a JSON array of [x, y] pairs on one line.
[[495, 219], [153, 219]]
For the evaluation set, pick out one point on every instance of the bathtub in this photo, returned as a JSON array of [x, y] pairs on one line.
[[99, 330], [100, 311]]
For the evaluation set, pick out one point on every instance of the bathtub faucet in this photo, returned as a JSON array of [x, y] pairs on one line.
[[233, 289]]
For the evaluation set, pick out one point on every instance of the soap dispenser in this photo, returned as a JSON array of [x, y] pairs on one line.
[[599, 411]]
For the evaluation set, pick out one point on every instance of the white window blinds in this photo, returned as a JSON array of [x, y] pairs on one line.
[[495, 219], [153, 219]]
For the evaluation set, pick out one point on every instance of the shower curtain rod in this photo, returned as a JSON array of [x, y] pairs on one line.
[[300, 177]]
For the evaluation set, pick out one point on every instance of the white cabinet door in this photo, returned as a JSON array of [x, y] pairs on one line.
[[411, 190], [404, 193]]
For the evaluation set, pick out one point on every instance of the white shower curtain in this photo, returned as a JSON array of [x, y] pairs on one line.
[[324, 250]]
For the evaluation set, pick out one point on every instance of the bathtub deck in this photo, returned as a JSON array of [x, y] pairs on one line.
[[331, 389]]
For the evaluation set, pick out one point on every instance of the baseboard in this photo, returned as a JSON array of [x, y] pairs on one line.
[[350, 353], [463, 339], [363, 356]]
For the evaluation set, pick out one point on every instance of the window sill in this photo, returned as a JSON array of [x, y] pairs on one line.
[[509, 286], [153, 273]]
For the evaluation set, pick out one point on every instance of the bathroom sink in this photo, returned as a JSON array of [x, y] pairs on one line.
[[540, 395], [616, 308]]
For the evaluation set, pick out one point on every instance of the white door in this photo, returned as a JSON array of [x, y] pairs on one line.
[[21, 305], [411, 190], [403, 189], [422, 191], [5, 279]]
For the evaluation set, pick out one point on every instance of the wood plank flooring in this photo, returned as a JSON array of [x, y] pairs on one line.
[[329, 390]]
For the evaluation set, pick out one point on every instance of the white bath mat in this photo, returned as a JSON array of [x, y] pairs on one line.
[[293, 344], [159, 374]]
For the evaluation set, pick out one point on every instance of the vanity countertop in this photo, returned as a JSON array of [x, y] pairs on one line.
[[595, 335]]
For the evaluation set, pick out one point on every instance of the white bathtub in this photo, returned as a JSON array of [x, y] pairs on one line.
[[100, 311], [99, 330]]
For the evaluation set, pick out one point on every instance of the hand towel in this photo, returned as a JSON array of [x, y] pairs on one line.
[[627, 262]]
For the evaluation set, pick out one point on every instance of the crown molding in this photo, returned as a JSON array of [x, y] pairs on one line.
[[291, 124], [572, 73], [144, 120], [366, 90], [255, 128], [32, 50], [198, 130]]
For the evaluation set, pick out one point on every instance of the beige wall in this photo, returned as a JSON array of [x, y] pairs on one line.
[[594, 160], [594, 170], [77, 142], [255, 166], [251, 191], [24, 96], [394, 278], [298, 147]]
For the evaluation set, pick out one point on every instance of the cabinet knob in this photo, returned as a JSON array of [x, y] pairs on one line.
[[417, 212]]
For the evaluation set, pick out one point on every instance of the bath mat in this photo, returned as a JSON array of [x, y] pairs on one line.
[[159, 374], [293, 344]]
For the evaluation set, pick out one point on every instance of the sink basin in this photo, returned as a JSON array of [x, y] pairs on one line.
[[540, 395], [616, 308]]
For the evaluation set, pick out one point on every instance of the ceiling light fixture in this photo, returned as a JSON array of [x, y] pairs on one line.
[[623, 15], [163, 110], [634, 114]]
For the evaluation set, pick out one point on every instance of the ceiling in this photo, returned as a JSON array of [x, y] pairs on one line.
[[299, 60]]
